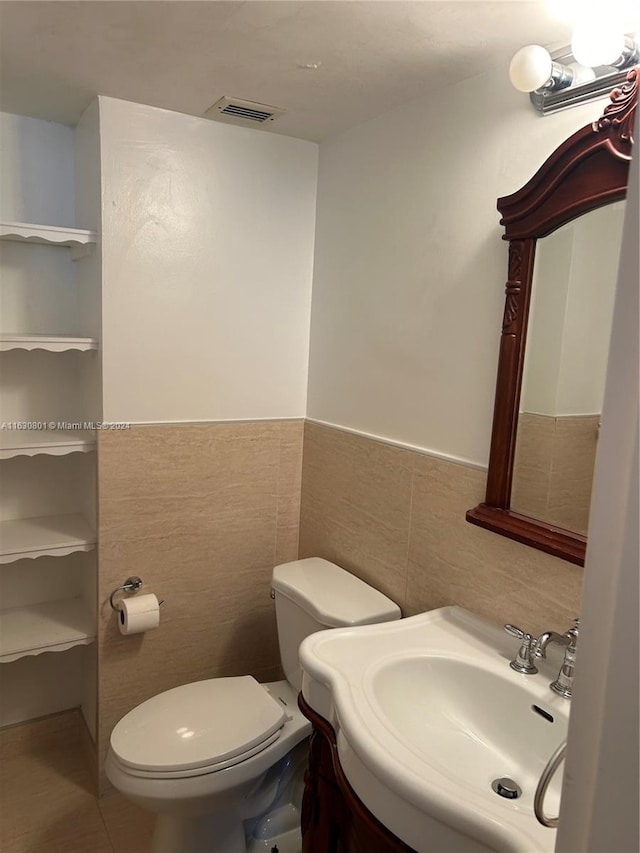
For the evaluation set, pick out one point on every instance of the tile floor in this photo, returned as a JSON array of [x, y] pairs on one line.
[[47, 804]]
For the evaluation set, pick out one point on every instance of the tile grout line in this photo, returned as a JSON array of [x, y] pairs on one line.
[[277, 523], [104, 823], [406, 579]]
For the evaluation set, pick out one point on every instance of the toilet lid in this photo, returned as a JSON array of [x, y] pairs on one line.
[[196, 725]]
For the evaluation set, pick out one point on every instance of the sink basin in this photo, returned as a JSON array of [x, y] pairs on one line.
[[471, 723], [427, 715]]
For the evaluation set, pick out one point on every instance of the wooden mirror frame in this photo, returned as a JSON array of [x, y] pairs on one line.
[[589, 170]]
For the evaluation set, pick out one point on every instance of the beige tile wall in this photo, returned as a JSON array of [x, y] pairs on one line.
[[202, 513], [553, 468], [532, 464], [574, 457], [61, 730], [396, 518]]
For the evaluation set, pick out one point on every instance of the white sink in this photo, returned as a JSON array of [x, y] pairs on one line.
[[427, 714]]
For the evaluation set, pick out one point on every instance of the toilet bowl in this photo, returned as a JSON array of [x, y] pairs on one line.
[[218, 760], [204, 808]]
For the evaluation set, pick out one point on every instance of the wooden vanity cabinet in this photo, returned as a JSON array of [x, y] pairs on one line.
[[334, 820]]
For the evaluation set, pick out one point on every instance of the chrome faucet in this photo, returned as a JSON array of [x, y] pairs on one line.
[[523, 661], [563, 684]]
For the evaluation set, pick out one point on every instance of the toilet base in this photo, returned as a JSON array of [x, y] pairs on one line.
[[220, 833], [227, 832], [209, 834], [288, 842]]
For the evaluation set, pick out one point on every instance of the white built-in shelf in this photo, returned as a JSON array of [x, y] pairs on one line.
[[51, 442], [51, 343], [53, 626], [48, 535], [78, 240]]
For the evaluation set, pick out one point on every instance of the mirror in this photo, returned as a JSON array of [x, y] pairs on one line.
[[572, 295], [555, 334]]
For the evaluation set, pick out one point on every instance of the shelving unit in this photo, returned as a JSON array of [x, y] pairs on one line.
[[50, 535], [50, 309], [52, 626], [78, 240], [57, 343], [54, 442]]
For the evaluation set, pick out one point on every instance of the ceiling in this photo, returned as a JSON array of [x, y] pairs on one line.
[[56, 56]]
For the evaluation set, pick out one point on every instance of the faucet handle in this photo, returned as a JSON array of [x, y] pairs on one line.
[[522, 661], [572, 633], [517, 632]]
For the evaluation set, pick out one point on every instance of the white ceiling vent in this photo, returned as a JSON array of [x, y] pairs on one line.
[[237, 111]]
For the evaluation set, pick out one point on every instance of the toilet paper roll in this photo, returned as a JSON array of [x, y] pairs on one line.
[[138, 614]]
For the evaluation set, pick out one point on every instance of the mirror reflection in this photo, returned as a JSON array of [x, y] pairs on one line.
[[565, 368]]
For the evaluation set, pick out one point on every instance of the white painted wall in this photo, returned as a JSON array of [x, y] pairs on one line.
[[409, 268], [547, 314], [207, 241], [33, 687], [587, 328], [571, 313], [38, 292], [36, 171], [89, 269], [88, 180]]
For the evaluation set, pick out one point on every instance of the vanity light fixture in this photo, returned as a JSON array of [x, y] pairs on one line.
[[593, 46], [532, 69], [595, 64]]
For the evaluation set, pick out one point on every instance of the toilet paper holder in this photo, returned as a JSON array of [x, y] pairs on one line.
[[132, 584]]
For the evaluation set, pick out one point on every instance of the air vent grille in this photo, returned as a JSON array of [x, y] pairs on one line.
[[243, 112], [238, 111]]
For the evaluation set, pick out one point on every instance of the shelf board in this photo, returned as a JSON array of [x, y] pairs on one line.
[[52, 626], [51, 442], [51, 343], [48, 535], [78, 240]]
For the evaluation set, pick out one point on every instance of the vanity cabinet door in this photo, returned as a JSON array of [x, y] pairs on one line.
[[334, 820], [323, 818]]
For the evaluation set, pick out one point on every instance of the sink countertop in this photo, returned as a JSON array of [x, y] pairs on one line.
[[431, 785]]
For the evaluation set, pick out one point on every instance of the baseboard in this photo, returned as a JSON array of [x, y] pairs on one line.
[[58, 730]]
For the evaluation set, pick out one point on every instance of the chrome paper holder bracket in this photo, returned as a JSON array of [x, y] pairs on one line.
[[132, 584]]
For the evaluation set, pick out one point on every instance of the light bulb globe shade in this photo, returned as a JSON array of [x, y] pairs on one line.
[[594, 46], [530, 68]]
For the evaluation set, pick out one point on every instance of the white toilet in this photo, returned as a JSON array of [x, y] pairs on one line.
[[221, 761]]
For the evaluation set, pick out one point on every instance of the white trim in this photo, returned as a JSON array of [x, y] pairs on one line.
[[558, 417], [425, 451], [61, 343], [77, 239]]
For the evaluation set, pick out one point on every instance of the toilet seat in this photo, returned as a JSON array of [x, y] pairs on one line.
[[197, 771], [197, 728]]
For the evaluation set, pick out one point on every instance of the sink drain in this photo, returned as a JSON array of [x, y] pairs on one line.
[[507, 788]]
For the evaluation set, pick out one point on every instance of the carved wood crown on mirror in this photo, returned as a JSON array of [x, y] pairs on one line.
[[589, 170]]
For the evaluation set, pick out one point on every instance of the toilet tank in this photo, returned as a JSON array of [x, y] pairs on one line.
[[314, 594]]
